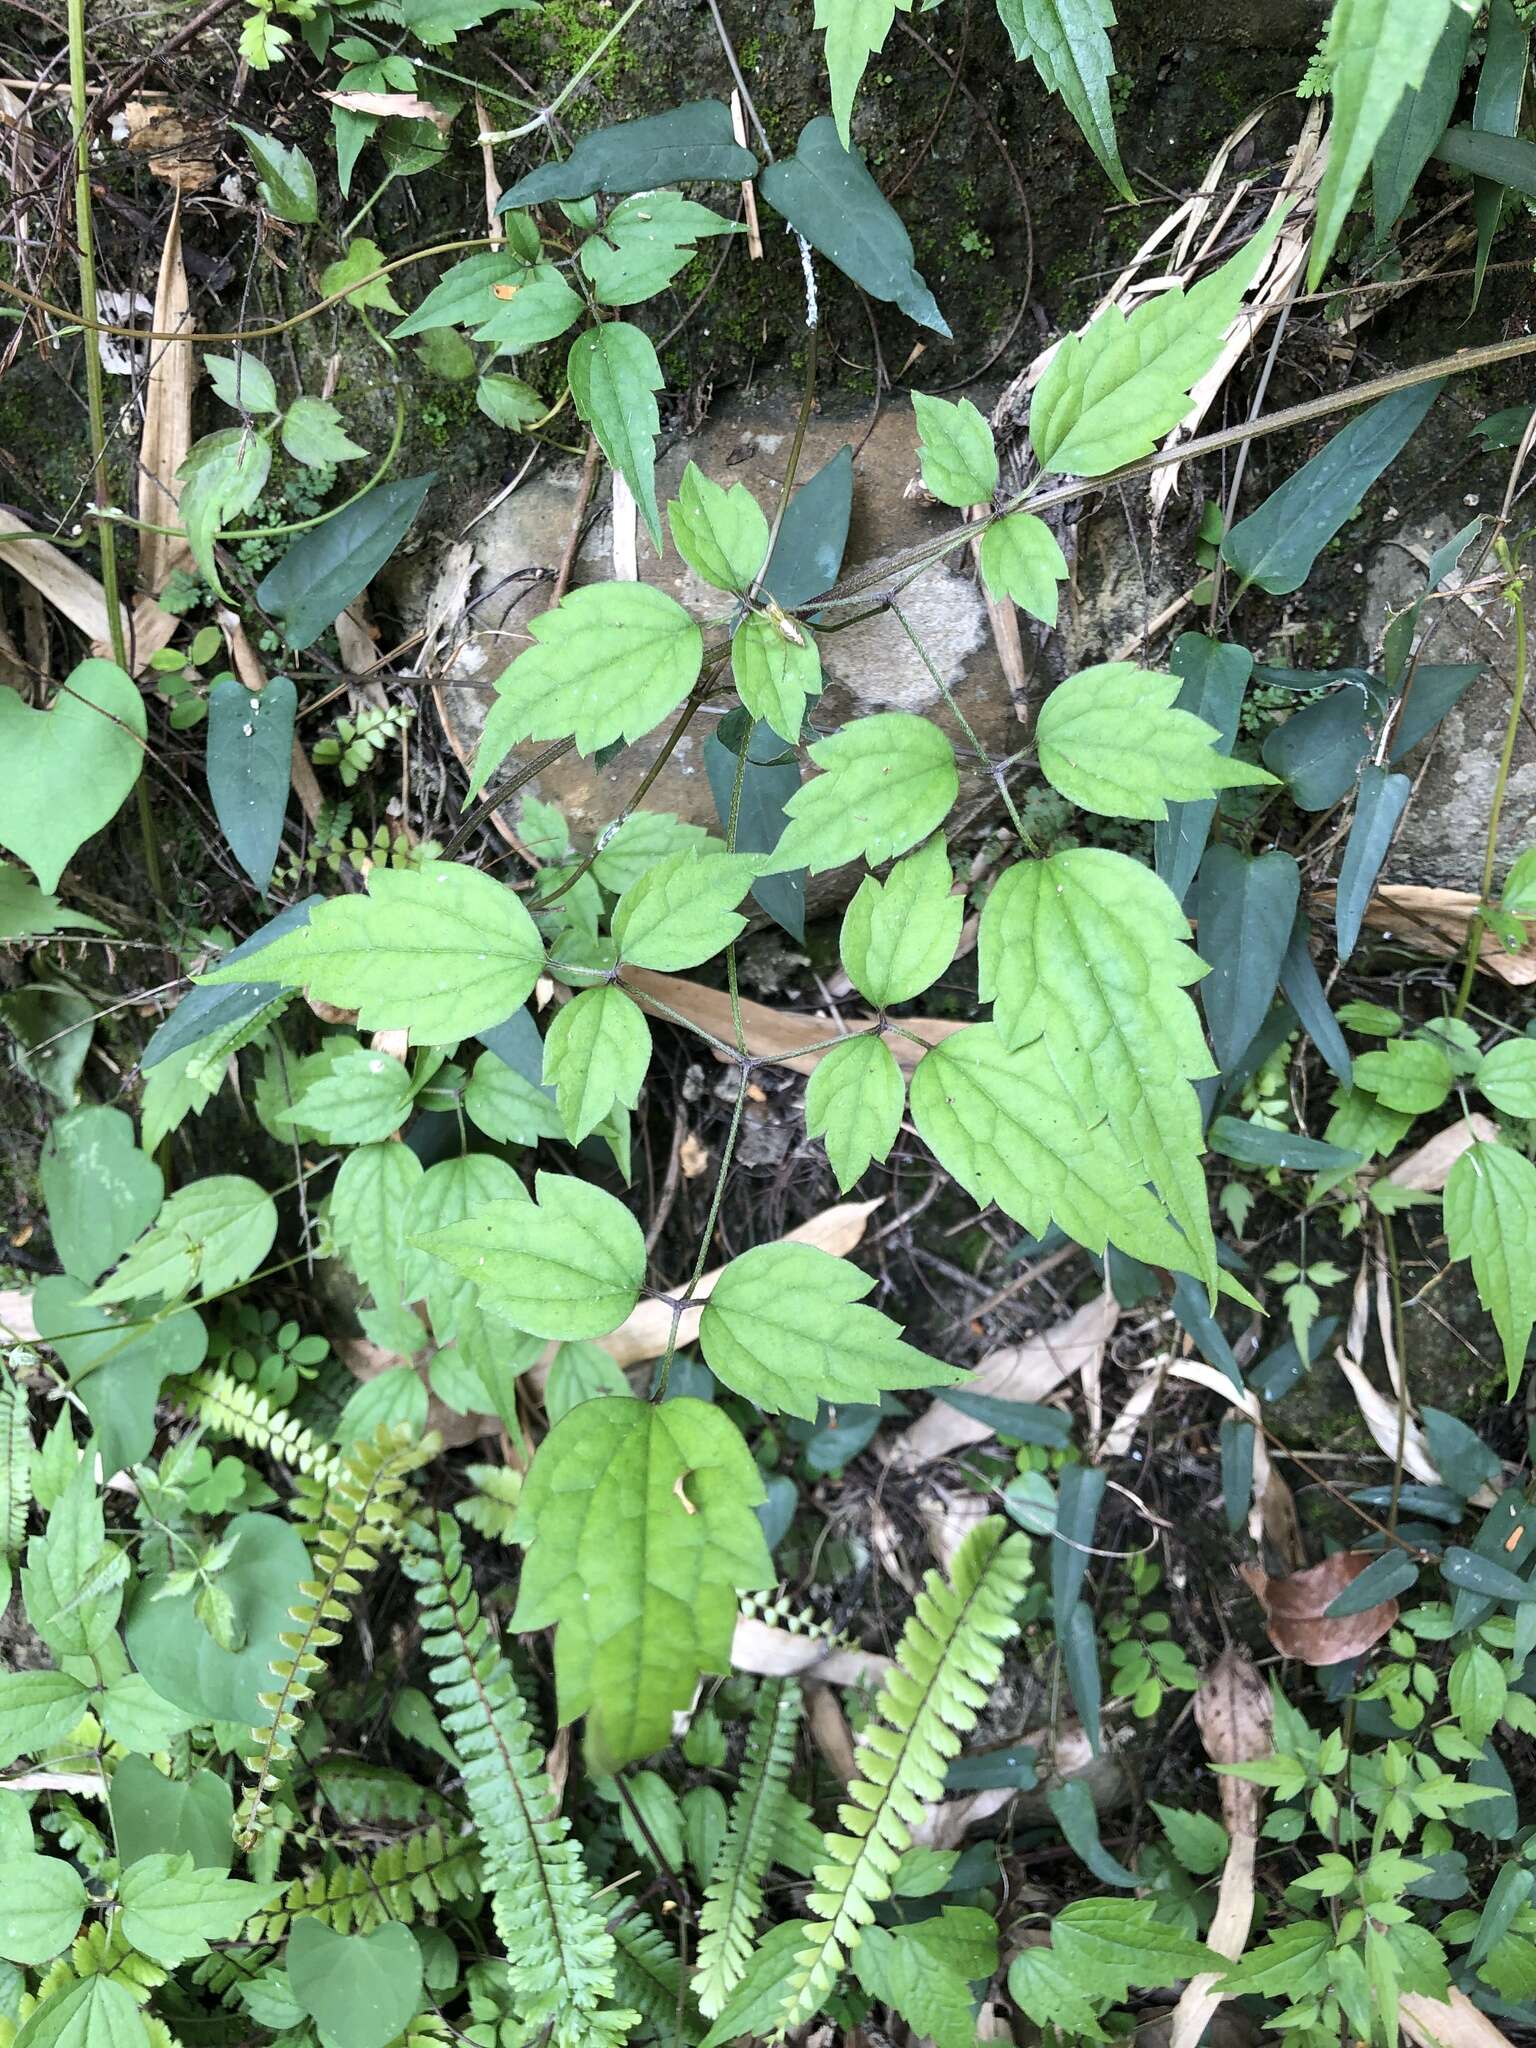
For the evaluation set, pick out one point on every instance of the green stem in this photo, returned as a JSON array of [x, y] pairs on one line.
[[546, 114], [1478, 925], [95, 400]]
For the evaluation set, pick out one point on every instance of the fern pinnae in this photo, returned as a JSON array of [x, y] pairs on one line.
[[231, 1407], [947, 1662], [733, 1900], [560, 1955], [15, 1462], [360, 1508]]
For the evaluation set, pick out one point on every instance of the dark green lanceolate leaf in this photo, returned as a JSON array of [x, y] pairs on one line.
[[1500, 91], [570, 1264], [899, 935], [643, 244], [359, 1989], [776, 667], [1319, 750], [1377, 50], [1089, 953], [1066, 40], [955, 446], [1075, 1814], [614, 380], [853, 1101], [1380, 802], [1213, 679], [1383, 1579], [827, 195], [1237, 1441], [203, 1013], [1469, 1573], [285, 179], [1490, 1219], [809, 550], [1507, 1077], [1504, 159], [595, 1056], [334, 562], [1192, 1311], [1077, 1514], [1419, 122], [441, 951], [1252, 1144], [608, 663], [170, 1646], [211, 1234], [889, 782], [1004, 1124], [1438, 687], [1111, 393], [722, 534], [1019, 1422], [1463, 1460], [1245, 914], [101, 1191], [1304, 992], [682, 911], [68, 769], [250, 756], [640, 1530], [1276, 545], [695, 141], [1112, 742], [785, 1327], [768, 781], [1021, 559]]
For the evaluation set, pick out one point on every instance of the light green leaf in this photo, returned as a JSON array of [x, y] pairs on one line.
[[362, 260], [211, 1234], [465, 294], [285, 178], [1198, 1840], [890, 780], [925, 1970], [96, 2013], [595, 1056], [959, 460], [1005, 1125], [442, 951], [1476, 1690], [1089, 952], [776, 666], [608, 663], [192, 1816], [614, 375], [641, 1532], [173, 1911], [242, 382], [224, 475], [366, 1210], [1507, 1077], [73, 1579], [1110, 394], [855, 31], [784, 1328], [69, 768], [1111, 742], [644, 838], [361, 1990], [134, 1714], [363, 1097], [27, 912], [1021, 558], [682, 911], [1071, 52], [313, 434], [854, 1101], [509, 402], [721, 534], [570, 1264], [1115, 1944], [1410, 1074], [261, 42], [42, 1902], [1519, 893], [1289, 1965], [1490, 1218], [37, 1708], [509, 1107], [899, 935], [537, 307], [1376, 50], [447, 1194], [1049, 1994], [643, 244], [101, 1191]]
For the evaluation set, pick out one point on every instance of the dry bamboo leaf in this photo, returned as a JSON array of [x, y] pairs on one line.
[[1457, 2023], [399, 106], [774, 1034], [57, 577], [1022, 1372], [167, 435], [1429, 1166], [1295, 1610], [1235, 1717], [17, 122], [354, 641], [1436, 921], [1381, 1417], [778, 1653], [246, 661], [496, 234], [16, 1316]]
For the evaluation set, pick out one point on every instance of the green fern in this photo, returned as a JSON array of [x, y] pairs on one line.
[[361, 1507], [491, 1509], [231, 1408], [649, 1975], [412, 1878], [559, 1954], [15, 1463], [733, 1900], [946, 1664]]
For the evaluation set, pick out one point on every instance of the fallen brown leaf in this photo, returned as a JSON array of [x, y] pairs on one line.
[[1428, 1167], [167, 434], [60, 580], [158, 132], [779, 1653], [1295, 1610], [1436, 921], [401, 106], [772, 1034], [1457, 2023]]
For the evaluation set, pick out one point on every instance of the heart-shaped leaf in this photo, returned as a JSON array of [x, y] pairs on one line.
[[101, 1191], [68, 768], [359, 1989], [117, 1368]]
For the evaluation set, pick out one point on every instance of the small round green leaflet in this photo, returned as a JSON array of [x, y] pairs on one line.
[[181, 1660], [42, 1902], [359, 1989]]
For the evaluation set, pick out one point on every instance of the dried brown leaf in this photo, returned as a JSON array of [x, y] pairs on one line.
[[1457, 2023], [1436, 921], [167, 434], [775, 1034], [1295, 1610]]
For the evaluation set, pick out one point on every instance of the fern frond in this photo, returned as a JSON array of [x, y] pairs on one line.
[[15, 1463], [410, 1879], [99, 1950], [492, 1508], [649, 1974], [366, 1794], [559, 1954], [947, 1662], [362, 1507], [734, 1897], [231, 1408], [801, 1621]]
